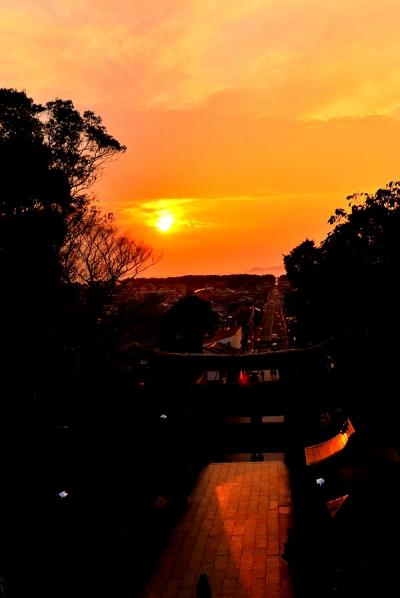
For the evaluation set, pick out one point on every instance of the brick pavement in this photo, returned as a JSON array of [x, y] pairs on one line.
[[234, 530]]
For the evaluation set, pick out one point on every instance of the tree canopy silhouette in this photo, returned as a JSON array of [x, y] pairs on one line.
[[96, 256], [347, 286], [79, 144], [50, 156], [58, 137], [96, 253], [185, 325]]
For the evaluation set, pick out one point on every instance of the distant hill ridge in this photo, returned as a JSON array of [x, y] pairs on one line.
[[202, 280]]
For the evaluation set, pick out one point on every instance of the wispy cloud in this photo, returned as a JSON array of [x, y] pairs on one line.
[[302, 59], [183, 212], [250, 120]]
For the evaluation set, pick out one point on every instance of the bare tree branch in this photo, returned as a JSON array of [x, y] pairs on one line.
[[95, 252]]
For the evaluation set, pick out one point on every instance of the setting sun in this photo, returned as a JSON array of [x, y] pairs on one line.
[[165, 222], [229, 163]]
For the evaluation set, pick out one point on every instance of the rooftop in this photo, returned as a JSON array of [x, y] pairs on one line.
[[221, 334]]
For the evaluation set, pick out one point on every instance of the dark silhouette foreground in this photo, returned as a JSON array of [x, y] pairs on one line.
[[203, 588]]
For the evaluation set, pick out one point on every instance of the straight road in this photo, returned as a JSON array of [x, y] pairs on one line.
[[273, 324]]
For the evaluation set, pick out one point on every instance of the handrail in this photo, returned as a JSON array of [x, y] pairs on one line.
[[323, 450]]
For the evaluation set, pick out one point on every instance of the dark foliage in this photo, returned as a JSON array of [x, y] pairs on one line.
[[49, 157], [186, 324], [347, 286], [195, 281]]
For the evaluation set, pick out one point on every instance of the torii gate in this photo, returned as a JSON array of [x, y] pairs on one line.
[[288, 359]]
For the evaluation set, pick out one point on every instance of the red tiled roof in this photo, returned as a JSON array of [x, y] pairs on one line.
[[218, 336]]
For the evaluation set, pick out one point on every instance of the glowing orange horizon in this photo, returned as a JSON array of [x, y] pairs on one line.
[[248, 123]]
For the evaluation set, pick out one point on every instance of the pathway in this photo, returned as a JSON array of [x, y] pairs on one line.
[[234, 530]]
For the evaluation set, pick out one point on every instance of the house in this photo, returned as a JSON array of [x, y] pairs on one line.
[[230, 337], [228, 341]]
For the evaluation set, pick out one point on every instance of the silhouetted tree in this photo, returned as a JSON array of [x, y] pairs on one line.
[[55, 140], [97, 256], [79, 144], [303, 266], [49, 157], [95, 252], [185, 325], [347, 287]]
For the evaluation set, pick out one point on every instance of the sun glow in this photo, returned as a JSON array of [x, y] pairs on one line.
[[165, 222]]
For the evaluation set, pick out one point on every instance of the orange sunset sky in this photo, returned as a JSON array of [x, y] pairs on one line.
[[247, 121]]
